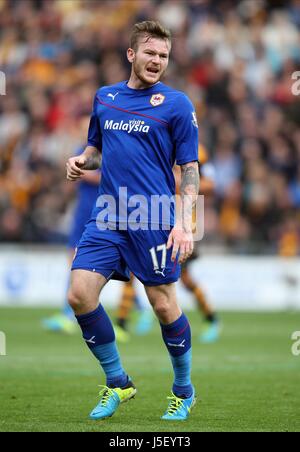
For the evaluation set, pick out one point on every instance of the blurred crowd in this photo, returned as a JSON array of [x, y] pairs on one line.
[[235, 59]]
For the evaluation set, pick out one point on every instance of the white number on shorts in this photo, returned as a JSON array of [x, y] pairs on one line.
[[153, 252]]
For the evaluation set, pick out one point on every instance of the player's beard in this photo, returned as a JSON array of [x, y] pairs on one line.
[[140, 72]]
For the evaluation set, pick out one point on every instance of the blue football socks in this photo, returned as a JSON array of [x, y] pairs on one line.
[[177, 337], [99, 335]]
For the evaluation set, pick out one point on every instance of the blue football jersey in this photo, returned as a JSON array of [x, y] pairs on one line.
[[142, 133]]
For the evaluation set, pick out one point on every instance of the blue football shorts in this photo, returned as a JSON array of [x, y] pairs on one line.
[[114, 254]]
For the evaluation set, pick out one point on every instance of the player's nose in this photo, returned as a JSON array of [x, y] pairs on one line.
[[155, 59]]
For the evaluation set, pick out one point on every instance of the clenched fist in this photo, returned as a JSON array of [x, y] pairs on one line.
[[75, 167]]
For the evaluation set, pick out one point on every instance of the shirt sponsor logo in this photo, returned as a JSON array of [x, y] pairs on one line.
[[157, 99], [135, 125]]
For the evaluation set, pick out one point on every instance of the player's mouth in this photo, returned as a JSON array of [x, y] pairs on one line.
[[152, 70]]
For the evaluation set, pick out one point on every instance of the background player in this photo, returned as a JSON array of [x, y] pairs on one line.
[[129, 299], [212, 331], [87, 192]]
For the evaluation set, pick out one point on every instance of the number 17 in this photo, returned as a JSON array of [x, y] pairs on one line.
[[153, 251]]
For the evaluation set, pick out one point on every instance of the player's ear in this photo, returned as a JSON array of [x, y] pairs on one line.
[[130, 55]]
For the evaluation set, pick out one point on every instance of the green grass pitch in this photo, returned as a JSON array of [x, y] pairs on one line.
[[248, 381]]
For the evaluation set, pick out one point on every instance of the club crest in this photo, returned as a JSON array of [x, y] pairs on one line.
[[157, 99]]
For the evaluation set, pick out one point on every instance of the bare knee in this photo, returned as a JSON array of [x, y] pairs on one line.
[[76, 299], [161, 309], [163, 301], [83, 295]]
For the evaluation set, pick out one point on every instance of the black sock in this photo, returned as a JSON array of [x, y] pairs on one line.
[[211, 318], [122, 323]]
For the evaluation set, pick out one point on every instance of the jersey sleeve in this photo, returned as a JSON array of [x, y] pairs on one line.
[[184, 130], [94, 133]]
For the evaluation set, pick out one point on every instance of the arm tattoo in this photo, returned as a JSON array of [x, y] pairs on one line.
[[93, 162], [190, 179], [189, 190], [93, 159]]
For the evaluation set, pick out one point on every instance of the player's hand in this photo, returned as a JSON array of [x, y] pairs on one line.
[[181, 241], [74, 167]]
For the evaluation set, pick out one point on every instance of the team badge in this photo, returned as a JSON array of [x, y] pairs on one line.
[[157, 99]]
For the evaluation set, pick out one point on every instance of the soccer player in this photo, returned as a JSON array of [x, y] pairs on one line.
[[141, 127]]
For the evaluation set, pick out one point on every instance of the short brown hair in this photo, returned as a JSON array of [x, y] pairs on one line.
[[149, 28]]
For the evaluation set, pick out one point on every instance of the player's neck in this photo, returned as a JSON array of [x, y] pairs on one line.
[[136, 83]]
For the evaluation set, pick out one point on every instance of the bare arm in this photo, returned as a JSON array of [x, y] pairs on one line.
[[181, 236], [189, 190], [91, 177], [89, 160], [207, 185], [92, 158]]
